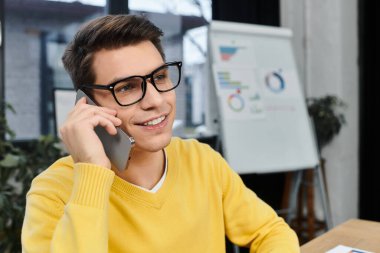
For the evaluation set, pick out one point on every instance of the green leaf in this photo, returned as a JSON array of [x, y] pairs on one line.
[[9, 161], [18, 166], [2, 201]]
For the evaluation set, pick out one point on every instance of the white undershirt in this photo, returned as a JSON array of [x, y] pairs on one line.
[[159, 183]]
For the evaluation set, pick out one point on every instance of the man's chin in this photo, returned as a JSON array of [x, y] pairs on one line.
[[153, 144]]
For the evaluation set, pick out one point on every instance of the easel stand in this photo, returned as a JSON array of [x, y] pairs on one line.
[[295, 188], [298, 202]]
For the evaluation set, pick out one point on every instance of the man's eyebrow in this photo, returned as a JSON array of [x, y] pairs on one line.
[[117, 79]]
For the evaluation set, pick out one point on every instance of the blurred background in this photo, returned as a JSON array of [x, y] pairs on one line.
[[333, 46]]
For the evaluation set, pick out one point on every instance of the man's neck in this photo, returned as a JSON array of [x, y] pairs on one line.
[[145, 169]]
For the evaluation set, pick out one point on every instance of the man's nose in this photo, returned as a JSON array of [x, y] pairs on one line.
[[152, 96]]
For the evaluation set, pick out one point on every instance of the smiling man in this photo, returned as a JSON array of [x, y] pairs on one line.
[[174, 196]]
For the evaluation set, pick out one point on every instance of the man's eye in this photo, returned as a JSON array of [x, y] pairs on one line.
[[126, 87], [159, 77]]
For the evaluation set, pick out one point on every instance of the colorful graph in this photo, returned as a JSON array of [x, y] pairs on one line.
[[226, 52], [226, 82], [274, 81], [239, 92], [235, 101]]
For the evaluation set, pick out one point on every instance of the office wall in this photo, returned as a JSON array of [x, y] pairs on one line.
[[326, 46]]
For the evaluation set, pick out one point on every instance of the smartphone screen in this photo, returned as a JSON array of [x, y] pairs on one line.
[[117, 147]]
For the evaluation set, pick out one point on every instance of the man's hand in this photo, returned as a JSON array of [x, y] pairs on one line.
[[79, 136]]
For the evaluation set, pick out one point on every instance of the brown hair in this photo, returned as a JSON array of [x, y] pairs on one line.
[[107, 32]]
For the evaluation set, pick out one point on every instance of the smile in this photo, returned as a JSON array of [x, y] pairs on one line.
[[155, 121]]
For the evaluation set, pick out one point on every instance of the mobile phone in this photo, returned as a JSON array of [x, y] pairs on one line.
[[117, 147]]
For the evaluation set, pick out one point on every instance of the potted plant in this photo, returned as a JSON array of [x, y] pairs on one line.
[[18, 166], [327, 117]]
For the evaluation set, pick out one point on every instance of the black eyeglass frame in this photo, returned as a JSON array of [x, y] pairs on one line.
[[110, 87]]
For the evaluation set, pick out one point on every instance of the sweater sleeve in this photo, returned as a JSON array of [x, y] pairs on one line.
[[77, 224], [250, 222]]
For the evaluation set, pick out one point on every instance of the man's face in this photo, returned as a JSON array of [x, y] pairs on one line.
[[150, 120]]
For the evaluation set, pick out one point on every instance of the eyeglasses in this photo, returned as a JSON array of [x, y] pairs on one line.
[[132, 89]]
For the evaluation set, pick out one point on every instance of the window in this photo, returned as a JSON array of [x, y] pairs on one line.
[[36, 33], [185, 38]]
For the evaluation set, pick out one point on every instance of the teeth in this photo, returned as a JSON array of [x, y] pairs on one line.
[[155, 121]]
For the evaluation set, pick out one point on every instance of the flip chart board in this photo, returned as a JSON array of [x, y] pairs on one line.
[[262, 111]]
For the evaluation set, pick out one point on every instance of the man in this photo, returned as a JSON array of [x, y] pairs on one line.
[[174, 196]]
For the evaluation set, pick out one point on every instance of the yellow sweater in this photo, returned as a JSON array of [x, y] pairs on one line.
[[86, 208]]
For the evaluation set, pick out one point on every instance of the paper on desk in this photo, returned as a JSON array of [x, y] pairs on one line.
[[345, 249]]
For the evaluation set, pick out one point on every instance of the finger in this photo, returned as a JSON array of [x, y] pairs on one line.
[[82, 100], [77, 126], [91, 118], [82, 105], [78, 104], [103, 122], [82, 110], [92, 112]]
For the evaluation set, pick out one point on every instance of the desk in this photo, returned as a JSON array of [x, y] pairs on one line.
[[354, 233]]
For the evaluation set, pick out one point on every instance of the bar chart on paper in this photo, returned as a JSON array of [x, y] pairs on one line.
[[239, 94], [230, 51]]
